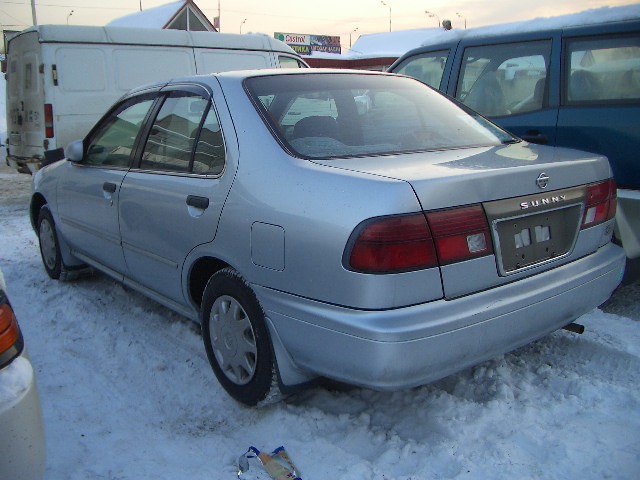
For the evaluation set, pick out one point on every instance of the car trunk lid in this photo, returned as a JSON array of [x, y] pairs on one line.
[[533, 198]]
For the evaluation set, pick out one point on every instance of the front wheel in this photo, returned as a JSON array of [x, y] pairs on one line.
[[49, 245], [236, 338]]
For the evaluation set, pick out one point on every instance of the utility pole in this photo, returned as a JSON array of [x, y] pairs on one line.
[[33, 13], [387, 5]]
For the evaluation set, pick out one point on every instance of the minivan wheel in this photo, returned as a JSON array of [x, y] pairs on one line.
[[49, 245], [236, 338]]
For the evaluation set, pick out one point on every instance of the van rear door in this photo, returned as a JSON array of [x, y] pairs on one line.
[[25, 98]]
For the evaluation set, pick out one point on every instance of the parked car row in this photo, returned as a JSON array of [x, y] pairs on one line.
[[573, 86], [352, 225]]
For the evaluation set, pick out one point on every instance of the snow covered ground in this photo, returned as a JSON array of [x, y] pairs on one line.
[[127, 393]]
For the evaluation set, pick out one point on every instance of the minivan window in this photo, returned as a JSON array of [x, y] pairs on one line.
[[504, 79], [428, 67], [289, 62], [603, 70]]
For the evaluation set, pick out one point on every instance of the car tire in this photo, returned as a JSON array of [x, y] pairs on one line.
[[49, 244], [236, 338]]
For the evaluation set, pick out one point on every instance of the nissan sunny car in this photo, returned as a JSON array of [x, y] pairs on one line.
[[22, 451], [352, 225]]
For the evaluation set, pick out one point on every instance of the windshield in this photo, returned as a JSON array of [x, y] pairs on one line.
[[333, 115]]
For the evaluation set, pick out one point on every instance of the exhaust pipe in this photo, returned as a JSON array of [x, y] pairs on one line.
[[575, 328]]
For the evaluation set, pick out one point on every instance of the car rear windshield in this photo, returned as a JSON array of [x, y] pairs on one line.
[[335, 115]]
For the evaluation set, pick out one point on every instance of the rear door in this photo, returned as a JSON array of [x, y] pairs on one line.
[[171, 201], [510, 80]]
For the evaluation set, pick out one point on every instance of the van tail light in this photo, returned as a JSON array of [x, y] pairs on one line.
[[600, 203], [418, 241], [460, 234], [10, 337], [48, 120]]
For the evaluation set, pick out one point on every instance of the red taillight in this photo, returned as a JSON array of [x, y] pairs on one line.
[[48, 120], [411, 242], [600, 203], [460, 234], [393, 244], [9, 330]]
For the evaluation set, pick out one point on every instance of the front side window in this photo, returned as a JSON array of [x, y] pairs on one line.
[[173, 134], [603, 70], [346, 115], [112, 143], [428, 67], [290, 62], [506, 79]]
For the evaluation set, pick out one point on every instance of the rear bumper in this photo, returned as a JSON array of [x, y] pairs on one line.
[[411, 346], [21, 431]]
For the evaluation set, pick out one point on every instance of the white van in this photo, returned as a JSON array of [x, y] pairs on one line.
[[61, 79]]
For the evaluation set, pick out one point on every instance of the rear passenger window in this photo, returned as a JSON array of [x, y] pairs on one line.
[[506, 79], [603, 70], [210, 157], [172, 137], [428, 67]]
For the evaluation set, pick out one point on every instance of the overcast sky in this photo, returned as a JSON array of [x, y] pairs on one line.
[[319, 17]]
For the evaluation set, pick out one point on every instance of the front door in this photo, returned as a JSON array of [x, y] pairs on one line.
[[89, 190]]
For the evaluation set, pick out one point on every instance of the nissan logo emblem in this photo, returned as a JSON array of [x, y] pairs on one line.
[[542, 181]]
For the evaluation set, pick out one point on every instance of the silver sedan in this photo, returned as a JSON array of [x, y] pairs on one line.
[[352, 225]]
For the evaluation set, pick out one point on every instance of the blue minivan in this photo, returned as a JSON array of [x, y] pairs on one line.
[[573, 86]]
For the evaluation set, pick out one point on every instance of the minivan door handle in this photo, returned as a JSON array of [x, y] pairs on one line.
[[109, 187], [534, 136], [198, 202]]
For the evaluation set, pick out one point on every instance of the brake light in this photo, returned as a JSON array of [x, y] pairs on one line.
[[392, 245], [9, 330], [48, 120], [460, 234], [600, 203], [422, 240]]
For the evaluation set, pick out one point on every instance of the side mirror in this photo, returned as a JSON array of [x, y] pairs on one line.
[[74, 151]]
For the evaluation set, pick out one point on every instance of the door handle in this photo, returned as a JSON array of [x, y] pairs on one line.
[[109, 187], [197, 202], [534, 136]]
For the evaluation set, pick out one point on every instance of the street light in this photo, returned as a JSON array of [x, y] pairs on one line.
[[242, 23], [465, 19], [70, 13], [430, 14], [352, 31], [383, 3]]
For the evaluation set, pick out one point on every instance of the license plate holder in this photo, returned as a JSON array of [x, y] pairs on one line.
[[529, 240]]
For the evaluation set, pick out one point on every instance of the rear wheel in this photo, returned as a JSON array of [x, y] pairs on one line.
[[236, 338], [49, 245]]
